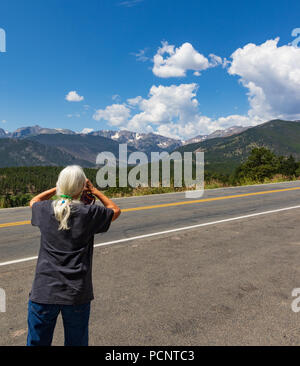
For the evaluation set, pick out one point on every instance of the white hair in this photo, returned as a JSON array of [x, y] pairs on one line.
[[71, 181]]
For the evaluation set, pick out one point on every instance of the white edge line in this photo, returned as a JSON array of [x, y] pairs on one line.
[[18, 261], [167, 231]]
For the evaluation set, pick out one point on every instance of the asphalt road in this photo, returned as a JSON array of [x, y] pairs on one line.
[[227, 280]]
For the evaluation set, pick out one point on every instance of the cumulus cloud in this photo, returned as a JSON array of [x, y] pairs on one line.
[[171, 111], [72, 96], [115, 114], [202, 125], [134, 101], [271, 73], [166, 104], [180, 60]]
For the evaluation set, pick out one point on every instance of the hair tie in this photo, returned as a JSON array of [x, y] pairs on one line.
[[66, 196]]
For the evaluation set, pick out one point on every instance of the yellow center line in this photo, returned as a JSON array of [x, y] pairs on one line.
[[15, 223], [207, 199], [177, 203]]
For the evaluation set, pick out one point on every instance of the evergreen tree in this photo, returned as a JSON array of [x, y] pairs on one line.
[[262, 163]]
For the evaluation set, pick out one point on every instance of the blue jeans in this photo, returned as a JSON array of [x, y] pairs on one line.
[[42, 319]]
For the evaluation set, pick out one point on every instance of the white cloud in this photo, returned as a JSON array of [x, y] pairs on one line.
[[87, 130], [168, 110], [225, 63], [70, 115], [270, 73], [116, 97], [4, 121], [115, 114], [216, 60], [141, 55], [134, 101], [166, 104], [181, 60], [130, 3], [202, 125], [272, 76], [72, 96]]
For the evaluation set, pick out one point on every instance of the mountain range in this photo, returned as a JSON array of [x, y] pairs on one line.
[[234, 130], [224, 149], [35, 145], [141, 141]]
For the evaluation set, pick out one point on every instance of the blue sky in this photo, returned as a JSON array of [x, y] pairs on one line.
[[91, 47]]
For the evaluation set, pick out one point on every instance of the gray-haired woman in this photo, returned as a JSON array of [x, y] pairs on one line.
[[63, 278]]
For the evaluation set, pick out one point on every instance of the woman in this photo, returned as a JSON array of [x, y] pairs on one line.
[[63, 278]]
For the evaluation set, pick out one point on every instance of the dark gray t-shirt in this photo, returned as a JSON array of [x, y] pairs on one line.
[[64, 267]]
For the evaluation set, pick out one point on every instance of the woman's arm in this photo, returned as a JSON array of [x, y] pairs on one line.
[[105, 200], [43, 196]]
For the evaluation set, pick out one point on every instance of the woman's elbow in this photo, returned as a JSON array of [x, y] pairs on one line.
[[117, 213], [32, 201]]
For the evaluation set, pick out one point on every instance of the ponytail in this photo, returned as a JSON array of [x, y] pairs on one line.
[[62, 211], [70, 183]]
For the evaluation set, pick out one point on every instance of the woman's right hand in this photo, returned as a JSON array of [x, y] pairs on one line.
[[89, 186], [105, 200]]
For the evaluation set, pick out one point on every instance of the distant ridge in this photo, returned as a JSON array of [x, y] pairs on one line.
[[234, 130], [37, 130], [16, 152], [80, 146], [145, 142], [224, 154]]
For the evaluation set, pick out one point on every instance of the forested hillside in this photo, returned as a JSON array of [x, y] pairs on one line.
[[19, 184], [85, 147], [16, 152], [225, 154]]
